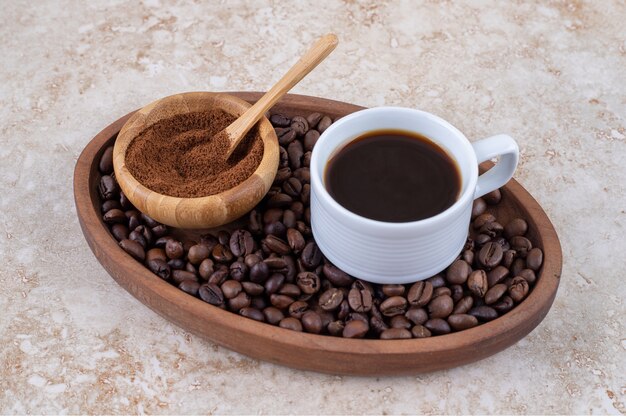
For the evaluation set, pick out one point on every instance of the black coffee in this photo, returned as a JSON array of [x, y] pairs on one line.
[[393, 176]]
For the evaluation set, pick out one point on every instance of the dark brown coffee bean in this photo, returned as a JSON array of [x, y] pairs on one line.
[[437, 281], [477, 283], [177, 263], [440, 307], [508, 257], [241, 243], [290, 290], [298, 308], [518, 266], [442, 291], [462, 321], [420, 293], [305, 195], [529, 275], [400, 322], [292, 187], [295, 151], [457, 292], [395, 333], [190, 268], [291, 323], [335, 328], [190, 287], [306, 159], [255, 223], [273, 315], [134, 249], [281, 301], [355, 329], [119, 231], [206, 268], [378, 324], [478, 207], [279, 200], [211, 294], [336, 276], [391, 290], [252, 259], [504, 305], [280, 120], [252, 313], [241, 300], [303, 175], [308, 282], [159, 230], [277, 229], [483, 313], [516, 227], [237, 270], [231, 288], [481, 239], [273, 283], [295, 240], [312, 322], [110, 205], [222, 254], [276, 264], [180, 275], [521, 245], [360, 300], [419, 331], [468, 256], [259, 302], [458, 272], [310, 139], [504, 244], [289, 219], [108, 187], [493, 197], [490, 255], [534, 259], [252, 289], [141, 235], [114, 216], [313, 119], [106, 161], [282, 175], [156, 253], [311, 256], [491, 229], [276, 245], [330, 299], [344, 309], [285, 135], [299, 125], [518, 289], [416, 315], [495, 293], [160, 268], [497, 275], [464, 305], [174, 249], [259, 273], [393, 306], [438, 326], [483, 219], [197, 254], [323, 124]]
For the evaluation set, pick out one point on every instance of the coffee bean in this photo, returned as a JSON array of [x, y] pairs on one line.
[[528, 274], [295, 151], [463, 305], [481, 239], [311, 256], [478, 207], [299, 125], [419, 332], [156, 253], [483, 219], [518, 266], [312, 322], [119, 231], [502, 242], [378, 325], [206, 268], [534, 259], [442, 291], [259, 273], [255, 224], [110, 205], [285, 135], [198, 253], [231, 288], [458, 272], [290, 290], [276, 228], [222, 254], [462, 321], [291, 323], [438, 326], [393, 306], [391, 290], [174, 249], [491, 229], [253, 289], [310, 139], [324, 124], [295, 240], [521, 245], [497, 275], [395, 333], [106, 161], [313, 119], [114, 216], [159, 230], [518, 289], [335, 328], [308, 282], [180, 275], [495, 293], [190, 287], [134, 249], [303, 175], [273, 315], [416, 315], [504, 305], [276, 244], [516, 227], [336, 276], [360, 300], [483, 313], [108, 187], [241, 243], [437, 281], [490, 255], [298, 308], [241, 300], [468, 256], [252, 313], [280, 120], [355, 329], [281, 301], [330, 299], [477, 283], [441, 306], [493, 197], [420, 293], [160, 268], [273, 283], [141, 235], [279, 200], [211, 294], [292, 187], [177, 263], [400, 322], [305, 195], [508, 257]]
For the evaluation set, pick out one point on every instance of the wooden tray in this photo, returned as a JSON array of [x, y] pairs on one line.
[[307, 351]]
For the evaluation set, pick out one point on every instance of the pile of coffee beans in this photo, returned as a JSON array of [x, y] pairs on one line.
[[272, 271]]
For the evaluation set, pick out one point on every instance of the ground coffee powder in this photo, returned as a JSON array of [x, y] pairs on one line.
[[183, 156]]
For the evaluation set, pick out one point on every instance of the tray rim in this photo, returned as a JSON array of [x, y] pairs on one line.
[[283, 346]]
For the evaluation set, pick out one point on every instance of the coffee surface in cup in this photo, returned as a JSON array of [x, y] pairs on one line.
[[393, 176]]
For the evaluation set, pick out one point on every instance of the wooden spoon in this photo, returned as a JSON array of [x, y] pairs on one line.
[[237, 130]]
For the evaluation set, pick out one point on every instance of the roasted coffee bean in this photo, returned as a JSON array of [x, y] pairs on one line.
[[420, 293], [273, 215], [335, 328], [231, 288], [174, 249], [238, 271], [416, 315], [483, 219], [462, 321], [177, 263], [437, 281], [497, 275], [490, 255], [360, 300], [521, 245], [516, 227], [206, 268], [119, 231], [106, 161], [180, 275], [395, 333], [344, 309], [159, 230], [308, 282], [276, 264], [134, 249], [280, 301], [393, 306], [477, 283], [400, 322], [311, 256], [292, 187], [297, 309], [285, 136], [259, 273], [518, 266], [330, 299], [493, 197], [276, 245], [291, 323], [198, 253], [279, 200], [295, 151], [504, 305], [255, 224], [299, 125], [280, 120], [440, 307], [305, 195], [190, 268], [504, 244], [355, 329], [290, 290], [241, 300], [273, 315], [295, 240], [303, 175], [289, 219], [478, 207], [529, 275], [241, 243], [252, 313], [211, 294], [534, 259], [223, 237], [282, 175], [110, 205], [491, 229], [313, 119], [468, 256], [160, 268], [391, 290], [312, 322], [336, 276], [252, 289], [273, 283], [310, 139], [303, 228], [458, 272], [518, 289], [495, 293], [438, 326], [108, 187], [457, 292], [464, 305], [252, 259], [508, 257], [481, 239], [323, 124], [378, 324], [283, 157], [156, 253], [138, 236], [162, 241], [190, 287], [222, 254], [277, 229], [114, 216], [442, 291], [419, 331], [259, 302], [483, 313]]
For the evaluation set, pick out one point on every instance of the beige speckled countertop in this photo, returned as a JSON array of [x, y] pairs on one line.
[[551, 74]]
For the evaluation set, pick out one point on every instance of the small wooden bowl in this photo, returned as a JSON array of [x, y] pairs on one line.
[[202, 212], [328, 354]]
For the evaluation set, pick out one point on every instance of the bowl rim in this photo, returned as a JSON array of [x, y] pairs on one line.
[[234, 331]]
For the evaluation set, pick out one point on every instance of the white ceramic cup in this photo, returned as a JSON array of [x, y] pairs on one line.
[[398, 253]]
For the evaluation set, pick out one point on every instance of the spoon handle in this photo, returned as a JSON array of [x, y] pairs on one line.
[[320, 50]]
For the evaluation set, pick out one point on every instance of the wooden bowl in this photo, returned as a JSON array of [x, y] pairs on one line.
[[307, 351], [203, 212]]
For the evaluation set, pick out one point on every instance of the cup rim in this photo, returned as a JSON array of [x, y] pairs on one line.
[[317, 180]]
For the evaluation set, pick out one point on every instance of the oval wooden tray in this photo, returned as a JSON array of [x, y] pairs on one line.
[[307, 351]]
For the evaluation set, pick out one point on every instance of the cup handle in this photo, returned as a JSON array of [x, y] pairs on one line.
[[485, 149]]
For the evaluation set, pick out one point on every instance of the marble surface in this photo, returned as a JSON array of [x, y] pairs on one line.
[[552, 74]]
